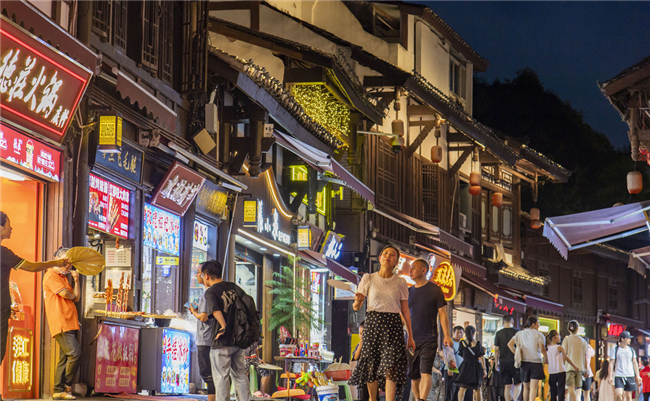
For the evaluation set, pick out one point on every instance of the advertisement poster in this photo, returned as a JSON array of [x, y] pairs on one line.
[[116, 366], [162, 230], [178, 189], [175, 377], [29, 153], [108, 208], [200, 236]]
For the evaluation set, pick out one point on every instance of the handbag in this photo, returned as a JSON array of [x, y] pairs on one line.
[[518, 355]]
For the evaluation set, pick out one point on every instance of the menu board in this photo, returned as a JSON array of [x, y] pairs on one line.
[[200, 236], [108, 208], [116, 365], [29, 153], [162, 230], [175, 376]]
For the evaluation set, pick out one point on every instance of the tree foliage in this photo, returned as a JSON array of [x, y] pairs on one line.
[[523, 109], [291, 302]]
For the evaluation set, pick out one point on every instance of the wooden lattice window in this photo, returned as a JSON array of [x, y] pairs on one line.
[[507, 223], [386, 177], [167, 41], [120, 23], [430, 193], [102, 18], [150, 34], [194, 51]]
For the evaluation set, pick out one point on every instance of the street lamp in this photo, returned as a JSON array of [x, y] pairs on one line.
[[396, 142]]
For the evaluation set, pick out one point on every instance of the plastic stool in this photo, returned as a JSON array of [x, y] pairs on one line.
[[348, 391]]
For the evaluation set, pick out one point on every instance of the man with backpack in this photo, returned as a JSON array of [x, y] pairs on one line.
[[226, 304], [624, 369]]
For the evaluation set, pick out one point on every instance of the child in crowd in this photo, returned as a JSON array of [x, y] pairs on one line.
[[605, 387]]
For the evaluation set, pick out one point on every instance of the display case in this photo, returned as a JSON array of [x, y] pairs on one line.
[[166, 353]]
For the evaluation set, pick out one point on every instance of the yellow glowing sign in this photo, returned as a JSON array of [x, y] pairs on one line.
[[445, 277], [20, 359], [299, 173]]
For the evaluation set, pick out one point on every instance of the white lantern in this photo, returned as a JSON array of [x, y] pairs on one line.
[[634, 182], [475, 178], [534, 213], [397, 127], [436, 154]]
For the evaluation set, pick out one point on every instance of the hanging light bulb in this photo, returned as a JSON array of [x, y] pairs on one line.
[[634, 182]]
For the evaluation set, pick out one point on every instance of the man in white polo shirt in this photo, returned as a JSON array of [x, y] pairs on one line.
[[624, 368]]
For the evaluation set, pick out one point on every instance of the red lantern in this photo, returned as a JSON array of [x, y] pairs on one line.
[[535, 224], [634, 182], [475, 178], [497, 199], [475, 190], [534, 213], [436, 154]]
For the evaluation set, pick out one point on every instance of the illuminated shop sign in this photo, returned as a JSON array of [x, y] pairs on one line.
[[20, 359], [178, 189], [29, 153], [162, 230], [332, 245], [175, 375], [615, 330], [304, 238], [315, 282], [299, 174], [127, 163], [40, 87], [108, 208], [498, 305], [212, 200], [116, 365], [200, 240], [445, 277], [254, 217]]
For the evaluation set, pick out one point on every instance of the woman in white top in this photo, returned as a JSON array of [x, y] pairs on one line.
[[605, 387], [531, 343], [383, 353], [556, 359]]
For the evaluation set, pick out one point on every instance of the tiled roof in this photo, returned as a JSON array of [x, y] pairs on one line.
[[626, 72]]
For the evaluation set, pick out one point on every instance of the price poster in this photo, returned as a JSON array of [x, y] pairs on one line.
[[175, 375], [116, 365], [200, 236], [108, 208], [162, 230]]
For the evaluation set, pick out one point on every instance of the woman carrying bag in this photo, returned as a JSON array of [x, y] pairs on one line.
[[472, 370], [383, 354]]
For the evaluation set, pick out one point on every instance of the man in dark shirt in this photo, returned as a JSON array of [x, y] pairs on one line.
[[505, 360], [226, 358], [426, 302], [10, 261]]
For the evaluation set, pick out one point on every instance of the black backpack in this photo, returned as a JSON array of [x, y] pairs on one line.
[[245, 320]]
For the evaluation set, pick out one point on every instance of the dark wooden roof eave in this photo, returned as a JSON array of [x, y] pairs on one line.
[[296, 51]]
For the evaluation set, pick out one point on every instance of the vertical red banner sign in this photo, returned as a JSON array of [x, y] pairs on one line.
[[116, 365], [108, 208]]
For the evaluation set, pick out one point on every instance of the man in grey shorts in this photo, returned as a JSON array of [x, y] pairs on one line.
[[576, 349]]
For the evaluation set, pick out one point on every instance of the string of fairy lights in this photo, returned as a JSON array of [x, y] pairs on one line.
[[324, 108]]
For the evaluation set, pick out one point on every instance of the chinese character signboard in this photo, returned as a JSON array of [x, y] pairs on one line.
[[110, 134], [116, 365], [175, 376], [332, 245], [162, 230], [446, 278], [108, 208], [178, 189], [40, 87], [29, 154], [127, 163], [21, 359], [212, 200], [615, 330], [250, 213], [304, 238], [200, 240]]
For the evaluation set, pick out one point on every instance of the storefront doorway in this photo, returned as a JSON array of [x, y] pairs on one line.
[[22, 199]]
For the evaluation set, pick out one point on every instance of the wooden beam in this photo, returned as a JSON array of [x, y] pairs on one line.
[[304, 76], [377, 81], [643, 134], [457, 137], [404, 29], [459, 163], [228, 5], [423, 123], [255, 15], [418, 141], [420, 110], [518, 174]]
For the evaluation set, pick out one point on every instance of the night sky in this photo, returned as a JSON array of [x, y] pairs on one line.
[[571, 46]]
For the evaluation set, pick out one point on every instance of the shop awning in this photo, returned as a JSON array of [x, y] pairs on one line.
[[580, 230], [544, 305], [500, 296], [468, 266], [626, 321], [324, 163], [414, 224], [128, 88], [334, 266], [31, 18]]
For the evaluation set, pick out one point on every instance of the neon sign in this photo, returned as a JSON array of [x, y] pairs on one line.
[[40, 88], [500, 306], [20, 359], [29, 154], [332, 245], [299, 174], [445, 277], [615, 330], [254, 217]]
